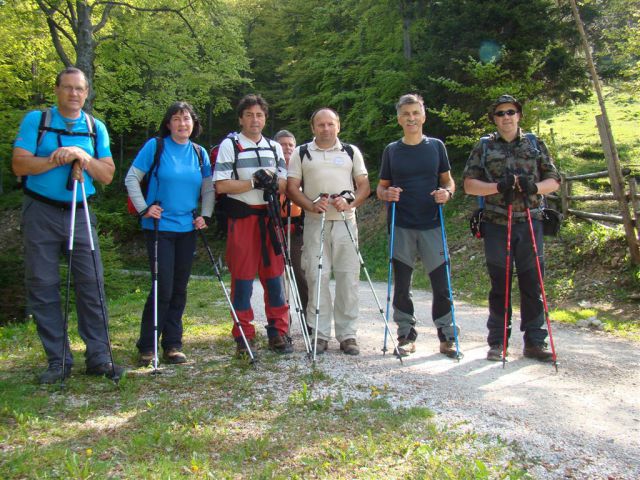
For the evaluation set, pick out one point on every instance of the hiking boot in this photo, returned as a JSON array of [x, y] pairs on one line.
[[449, 349], [53, 374], [495, 353], [280, 345], [145, 359], [321, 347], [241, 348], [538, 352], [350, 347], [173, 356], [407, 343], [107, 369]]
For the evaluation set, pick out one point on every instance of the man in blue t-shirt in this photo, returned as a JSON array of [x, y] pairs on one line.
[[415, 173], [45, 160]]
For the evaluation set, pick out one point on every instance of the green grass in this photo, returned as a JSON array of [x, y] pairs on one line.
[[218, 417]]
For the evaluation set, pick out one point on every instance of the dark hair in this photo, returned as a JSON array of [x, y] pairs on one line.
[[178, 107], [71, 71], [313, 115], [283, 134], [251, 100], [410, 99]]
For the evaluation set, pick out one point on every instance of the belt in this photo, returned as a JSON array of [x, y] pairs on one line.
[[50, 201], [504, 211]]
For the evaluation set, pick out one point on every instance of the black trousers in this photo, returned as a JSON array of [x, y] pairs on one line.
[[523, 258], [175, 257]]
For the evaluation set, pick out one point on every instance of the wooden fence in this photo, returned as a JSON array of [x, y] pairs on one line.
[[565, 197]]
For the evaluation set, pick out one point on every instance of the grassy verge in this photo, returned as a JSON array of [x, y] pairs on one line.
[[217, 417]]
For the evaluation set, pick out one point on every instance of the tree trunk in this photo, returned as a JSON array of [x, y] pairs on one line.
[[85, 48]]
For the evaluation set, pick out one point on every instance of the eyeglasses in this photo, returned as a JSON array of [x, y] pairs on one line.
[[70, 88], [502, 113]]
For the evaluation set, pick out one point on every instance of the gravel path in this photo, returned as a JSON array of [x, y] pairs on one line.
[[582, 422]]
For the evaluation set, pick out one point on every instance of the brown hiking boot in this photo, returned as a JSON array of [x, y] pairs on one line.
[[495, 353], [407, 344], [538, 352], [449, 349], [321, 347], [241, 348], [145, 359], [280, 345], [350, 347], [173, 356]]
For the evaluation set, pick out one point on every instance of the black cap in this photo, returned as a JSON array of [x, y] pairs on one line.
[[504, 99]]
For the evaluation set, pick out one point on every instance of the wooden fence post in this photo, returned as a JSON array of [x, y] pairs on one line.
[[565, 191], [635, 203]]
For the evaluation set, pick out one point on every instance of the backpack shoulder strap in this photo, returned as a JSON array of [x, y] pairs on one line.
[[237, 148], [156, 157], [93, 133], [533, 139], [45, 122], [198, 149], [346, 147], [483, 163], [304, 150]]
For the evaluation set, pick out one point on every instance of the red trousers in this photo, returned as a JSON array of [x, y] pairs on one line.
[[245, 258]]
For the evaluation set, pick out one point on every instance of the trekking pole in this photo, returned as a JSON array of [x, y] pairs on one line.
[[226, 294], [447, 265], [155, 294], [273, 209], [85, 204], [318, 279], [65, 326], [508, 196], [366, 273], [540, 280], [391, 239]]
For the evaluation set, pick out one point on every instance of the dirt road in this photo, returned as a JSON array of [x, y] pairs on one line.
[[582, 422]]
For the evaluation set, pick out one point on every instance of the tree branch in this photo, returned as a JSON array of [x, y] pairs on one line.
[[53, 28], [104, 17]]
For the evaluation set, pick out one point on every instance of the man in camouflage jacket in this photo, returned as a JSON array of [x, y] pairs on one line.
[[505, 167]]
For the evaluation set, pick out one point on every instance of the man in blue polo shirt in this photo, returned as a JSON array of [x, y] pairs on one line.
[[45, 160]]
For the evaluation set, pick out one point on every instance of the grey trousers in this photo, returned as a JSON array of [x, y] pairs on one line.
[[427, 244], [46, 233]]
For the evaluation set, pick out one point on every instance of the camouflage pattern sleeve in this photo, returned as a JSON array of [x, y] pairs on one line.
[[547, 168], [473, 168]]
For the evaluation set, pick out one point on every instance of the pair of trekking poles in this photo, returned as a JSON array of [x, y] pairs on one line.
[[507, 296], [72, 184], [447, 263], [273, 212]]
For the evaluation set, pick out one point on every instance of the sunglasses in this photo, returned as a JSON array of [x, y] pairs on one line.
[[502, 113]]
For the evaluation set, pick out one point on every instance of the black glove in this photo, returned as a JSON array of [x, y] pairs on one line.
[[264, 180], [507, 183], [527, 185]]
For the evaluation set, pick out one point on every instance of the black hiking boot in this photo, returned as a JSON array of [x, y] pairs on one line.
[[53, 374], [495, 353], [241, 347], [107, 369]]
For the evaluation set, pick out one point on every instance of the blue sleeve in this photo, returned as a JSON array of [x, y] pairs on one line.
[[144, 158], [27, 137], [103, 142], [444, 158]]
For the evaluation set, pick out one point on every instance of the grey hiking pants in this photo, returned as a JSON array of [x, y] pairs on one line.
[[427, 244], [46, 234]]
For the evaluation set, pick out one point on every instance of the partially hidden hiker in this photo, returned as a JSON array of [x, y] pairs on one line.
[[178, 173], [503, 168], [48, 147], [416, 174], [292, 215], [326, 168], [252, 246]]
